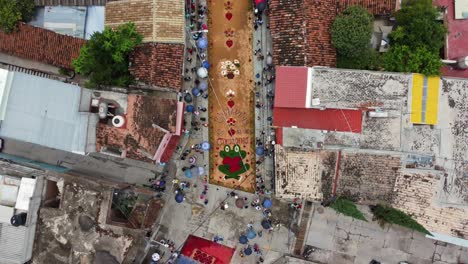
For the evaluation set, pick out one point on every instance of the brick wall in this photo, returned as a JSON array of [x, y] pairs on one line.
[[137, 11], [158, 64], [41, 45], [368, 178], [156, 20], [415, 194]]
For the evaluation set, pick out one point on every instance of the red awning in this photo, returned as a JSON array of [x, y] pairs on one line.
[[206, 251], [328, 119]]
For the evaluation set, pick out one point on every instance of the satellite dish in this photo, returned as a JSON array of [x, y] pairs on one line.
[[118, 121]]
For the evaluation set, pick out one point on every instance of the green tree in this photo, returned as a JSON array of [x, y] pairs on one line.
[[386, 214], [419, 60], [26, 8], [13, 11], [104, 58], [368, 59], [347, 207], [351, 31], [417, 26]]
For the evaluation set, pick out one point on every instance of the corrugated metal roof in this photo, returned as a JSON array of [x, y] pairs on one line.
[[75, 21], [291, 87], [328, 119], [45, 112], [16, 243]]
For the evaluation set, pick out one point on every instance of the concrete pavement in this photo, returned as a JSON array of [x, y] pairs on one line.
[[341, 239]]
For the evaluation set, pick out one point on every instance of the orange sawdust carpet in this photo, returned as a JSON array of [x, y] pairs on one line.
[[232, 134]]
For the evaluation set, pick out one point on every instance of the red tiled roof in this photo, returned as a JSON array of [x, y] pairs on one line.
[[170, 148], [328, 119], [456, 39], [291, 87], [308, 41], [41, 45], [158, 64], [206, 251]]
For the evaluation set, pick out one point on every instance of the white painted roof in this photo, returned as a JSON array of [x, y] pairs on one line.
[[25, 193]]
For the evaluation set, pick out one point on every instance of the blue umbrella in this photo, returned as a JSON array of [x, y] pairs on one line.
[[206, 64], [267, 203], [189, 108], [248, 251], [243, 240], [188, 173], [251, 234], [179, 197], [205, 145], [203, 86], [195, 92], [260, 151], [202, 43]]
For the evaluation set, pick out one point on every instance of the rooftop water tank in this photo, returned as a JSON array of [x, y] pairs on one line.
[[118, 121]]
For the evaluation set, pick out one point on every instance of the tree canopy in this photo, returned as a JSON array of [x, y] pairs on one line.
[[104, 59], [415, 44], [351, 31], [405, 59], [417, 26], [14, 11]]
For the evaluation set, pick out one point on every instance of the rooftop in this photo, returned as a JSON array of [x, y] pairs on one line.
[[156, 20], [18, 193], [75, 21], [393, 137], [42, 45], [43, 111], [158, 64], [310, 44], [456, 38], [148, 120], [70, 2], [77, 230]]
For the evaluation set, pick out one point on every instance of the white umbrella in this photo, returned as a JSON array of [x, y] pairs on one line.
[[202, 72], [155, 257]]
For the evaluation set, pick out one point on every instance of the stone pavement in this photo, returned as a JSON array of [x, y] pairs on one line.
[[262, 41], [341, 240]]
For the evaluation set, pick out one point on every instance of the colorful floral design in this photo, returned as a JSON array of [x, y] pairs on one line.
[[229, 33], [231, 121], [228, 5], [230, 69], [233, 165]]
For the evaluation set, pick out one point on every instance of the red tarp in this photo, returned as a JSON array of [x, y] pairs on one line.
[[206, 251], [328, 119]]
